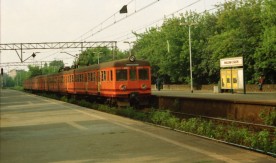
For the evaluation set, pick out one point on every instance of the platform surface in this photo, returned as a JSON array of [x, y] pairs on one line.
[[37, 129], [260, 97]]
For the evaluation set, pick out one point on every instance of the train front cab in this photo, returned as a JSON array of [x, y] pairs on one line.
[[127, 81]]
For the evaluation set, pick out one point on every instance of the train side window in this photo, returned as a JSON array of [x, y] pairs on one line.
[[111, 75], [103, 75], [94, 77], [143, 74], [98, 76], [132, 74], [121, 75], [107, 75], [91, 76]]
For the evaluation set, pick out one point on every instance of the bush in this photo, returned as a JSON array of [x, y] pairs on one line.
[[160, 117], [72, 100], [273, 150], [268, 118], [64, 98], [219, 132], [127, 112], [262, 141], [190, 125], [107, 109], [172, 122], [84, 103], [237, 135], [206, 128], [19, 88]]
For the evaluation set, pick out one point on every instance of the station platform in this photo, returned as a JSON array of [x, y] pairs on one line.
[[37, 129], [253, 97], [237, 106]]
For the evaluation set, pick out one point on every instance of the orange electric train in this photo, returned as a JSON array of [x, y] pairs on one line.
[[117, 82]]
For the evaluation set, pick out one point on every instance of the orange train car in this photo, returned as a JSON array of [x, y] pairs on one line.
[[120, 81]]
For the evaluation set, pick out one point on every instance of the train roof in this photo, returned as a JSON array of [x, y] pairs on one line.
[[116, 63], [124, 62], [87, 68]]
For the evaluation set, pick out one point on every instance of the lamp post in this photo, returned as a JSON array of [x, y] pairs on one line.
[[75, 56], [190, 51], [127, 42], [98, 53]]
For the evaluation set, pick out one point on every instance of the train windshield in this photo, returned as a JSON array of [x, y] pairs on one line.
[[121, 75], [132, 74], [144, 74]]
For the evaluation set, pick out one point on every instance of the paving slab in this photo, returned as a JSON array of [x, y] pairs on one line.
[[37, 129]]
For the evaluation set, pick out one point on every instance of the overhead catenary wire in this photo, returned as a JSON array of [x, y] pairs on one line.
[[130, 34], [157, 21], [91, 33]]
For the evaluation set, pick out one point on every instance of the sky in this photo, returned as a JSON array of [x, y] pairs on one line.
[[35, 21]]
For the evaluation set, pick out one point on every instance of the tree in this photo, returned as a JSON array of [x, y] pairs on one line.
[[265, 55], [34, 71], [21, 75], [103, 54], [239, 28], [8, 81]]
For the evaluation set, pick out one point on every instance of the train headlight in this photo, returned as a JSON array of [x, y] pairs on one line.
[[123, 87], [144, 86]]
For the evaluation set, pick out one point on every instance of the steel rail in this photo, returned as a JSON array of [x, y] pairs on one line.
[[271, 128], [217, 140]]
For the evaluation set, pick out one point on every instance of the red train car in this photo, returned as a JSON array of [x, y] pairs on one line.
[[116, 81]]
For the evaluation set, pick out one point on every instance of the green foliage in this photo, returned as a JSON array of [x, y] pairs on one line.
[[236, 135], [262, 141], [34, 71], [72, 100], [230, 133], [206, 128], [190, 125], [239, 28], [127, 112], [159, 117], [53, 67], [274, 145], [103, 54], [106, 109], [64, 99], [8, 81], [268, 118], [84, 103], [19, 88]]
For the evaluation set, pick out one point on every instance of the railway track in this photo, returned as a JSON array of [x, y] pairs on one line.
[[251, 126]]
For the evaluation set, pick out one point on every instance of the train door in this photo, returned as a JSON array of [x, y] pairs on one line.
[[86, 81], [99, 81]]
